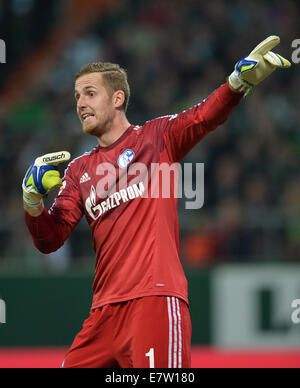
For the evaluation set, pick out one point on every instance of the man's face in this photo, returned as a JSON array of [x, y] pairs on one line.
[[94, 104]]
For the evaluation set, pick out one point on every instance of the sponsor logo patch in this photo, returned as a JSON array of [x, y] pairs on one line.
[[85, 178]]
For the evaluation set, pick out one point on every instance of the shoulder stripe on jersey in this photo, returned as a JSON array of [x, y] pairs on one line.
[[175, 115], [159, 118], [87, 153]]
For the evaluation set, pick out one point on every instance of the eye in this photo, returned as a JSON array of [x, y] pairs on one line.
[[91, 94]]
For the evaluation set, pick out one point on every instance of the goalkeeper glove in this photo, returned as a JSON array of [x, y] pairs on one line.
[[258, 65], [42, 176]]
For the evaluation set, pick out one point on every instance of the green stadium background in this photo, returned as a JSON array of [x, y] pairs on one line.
[[240, 252]]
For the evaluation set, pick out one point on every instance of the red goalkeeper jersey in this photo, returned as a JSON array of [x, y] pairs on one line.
[[135, 236]]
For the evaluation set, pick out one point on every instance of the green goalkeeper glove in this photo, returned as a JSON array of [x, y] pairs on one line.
[[42, 176], [258, 65]]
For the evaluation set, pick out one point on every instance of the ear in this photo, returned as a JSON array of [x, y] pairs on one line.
[[119, 98]]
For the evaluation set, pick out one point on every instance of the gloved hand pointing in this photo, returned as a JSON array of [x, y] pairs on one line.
[[258, 65]]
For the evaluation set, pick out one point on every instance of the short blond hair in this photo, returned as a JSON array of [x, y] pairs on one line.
[[114, 77]]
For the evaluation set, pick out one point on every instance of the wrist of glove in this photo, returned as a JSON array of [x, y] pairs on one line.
[[257, 66], [41, 177], [31, 197], [239, 85]]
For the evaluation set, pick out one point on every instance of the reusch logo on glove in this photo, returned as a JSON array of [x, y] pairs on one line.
[[54, 158]]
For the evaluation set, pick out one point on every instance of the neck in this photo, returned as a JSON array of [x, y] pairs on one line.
[[114, 132]]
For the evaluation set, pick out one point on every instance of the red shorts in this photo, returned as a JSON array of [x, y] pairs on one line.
[[149, 332]]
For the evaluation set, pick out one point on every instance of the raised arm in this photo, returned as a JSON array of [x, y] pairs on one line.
[[185, 130]]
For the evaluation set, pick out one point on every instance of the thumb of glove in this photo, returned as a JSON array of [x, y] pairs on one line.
[[51, 179], [277, 60]]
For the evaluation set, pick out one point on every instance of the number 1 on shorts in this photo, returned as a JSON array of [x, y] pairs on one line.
[[150, 354]]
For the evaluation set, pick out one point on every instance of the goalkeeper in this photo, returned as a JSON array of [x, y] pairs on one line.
[[140, 313]]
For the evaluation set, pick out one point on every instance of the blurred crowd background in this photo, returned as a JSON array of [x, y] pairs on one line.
[[176, 53]]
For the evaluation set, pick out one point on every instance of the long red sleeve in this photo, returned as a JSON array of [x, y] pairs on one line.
[[187, 128], [44, 232]]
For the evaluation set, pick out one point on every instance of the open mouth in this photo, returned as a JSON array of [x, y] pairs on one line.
[[86, 117]]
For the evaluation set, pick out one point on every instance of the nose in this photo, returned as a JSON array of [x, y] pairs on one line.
[[81, 103]]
